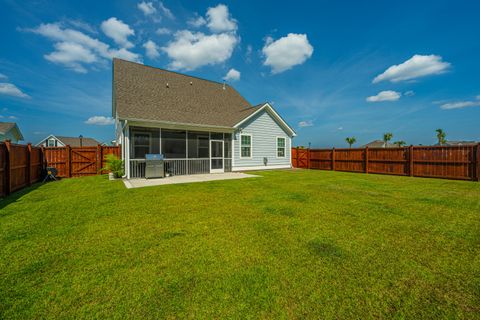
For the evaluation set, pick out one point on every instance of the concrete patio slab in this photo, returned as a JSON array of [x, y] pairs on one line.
[[139, 183]]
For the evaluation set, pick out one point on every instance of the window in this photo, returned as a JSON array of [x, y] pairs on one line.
[[51, 142], [245, 146], [280, 147]]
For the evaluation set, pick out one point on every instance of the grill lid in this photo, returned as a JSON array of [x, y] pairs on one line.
[[153, 156]]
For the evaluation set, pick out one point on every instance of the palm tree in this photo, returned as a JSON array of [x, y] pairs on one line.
[[387, 137], [441, 135], [350, 140], [400, 143]]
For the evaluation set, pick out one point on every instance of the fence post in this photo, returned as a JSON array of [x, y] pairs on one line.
[[68, 161], [29, 164], [366, 159], [99, 159], [296, 156], [476, 167], [333, 159], [410, 158], [8, 166], [308, 159]]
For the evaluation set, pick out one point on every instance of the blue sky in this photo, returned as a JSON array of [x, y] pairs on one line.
[[333, 69]]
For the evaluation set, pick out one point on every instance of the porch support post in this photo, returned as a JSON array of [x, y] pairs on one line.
[[186, 150], [127, 150]]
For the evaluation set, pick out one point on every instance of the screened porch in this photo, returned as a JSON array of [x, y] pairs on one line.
[[185, 152]]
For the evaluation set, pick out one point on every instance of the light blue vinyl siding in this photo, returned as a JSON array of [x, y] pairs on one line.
[[264, 131]]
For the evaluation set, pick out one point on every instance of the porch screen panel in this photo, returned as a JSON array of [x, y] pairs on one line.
[[143, 141], [198, 145], [174, 144]]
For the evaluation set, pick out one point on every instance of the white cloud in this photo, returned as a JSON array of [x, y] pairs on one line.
[[388, 95], [232, 74], [415, 67], [151, 49], [163, 31], [189, 51], [461, 104], [74, 49], [166, 12], [71, 54], [12, 118], [2, 76], [100, 121], [197, 22], [306, 123], [118, 31], [219, 19], [147, 8], [10, 89], [409, 93], [286, 52], [340, 128]]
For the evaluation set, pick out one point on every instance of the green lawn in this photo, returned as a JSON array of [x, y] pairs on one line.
[[291, 244]]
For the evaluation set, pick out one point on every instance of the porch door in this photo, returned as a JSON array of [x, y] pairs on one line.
[[216, 156]]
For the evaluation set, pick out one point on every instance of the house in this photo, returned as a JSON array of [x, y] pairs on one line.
[[457, 143], [198, 125], [10, 131], [379, 144], [61, 141]]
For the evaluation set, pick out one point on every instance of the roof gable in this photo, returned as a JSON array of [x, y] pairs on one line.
[[275, 116], [6, 127], [146, 93]]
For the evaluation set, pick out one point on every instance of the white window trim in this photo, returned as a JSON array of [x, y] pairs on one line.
[[240, 145], [284, 147]]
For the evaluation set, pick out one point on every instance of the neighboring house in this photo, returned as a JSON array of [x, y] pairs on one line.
[[457, 143], [10, 131], [199, 126], [61, 141], [379, 144]]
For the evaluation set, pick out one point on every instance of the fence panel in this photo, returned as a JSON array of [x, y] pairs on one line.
[[3, 169], [452, 162], [22, 165], [18, 167], [388, 161], [321, 159], [57, 157]]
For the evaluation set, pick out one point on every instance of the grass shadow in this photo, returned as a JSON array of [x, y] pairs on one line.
[[323, 248]]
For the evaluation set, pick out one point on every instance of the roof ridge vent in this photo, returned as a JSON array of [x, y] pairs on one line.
[[168, 85], [224, 85]]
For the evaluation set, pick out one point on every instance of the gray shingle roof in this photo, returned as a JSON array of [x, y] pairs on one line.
[[6, 126], [75, 141], [379, 144], [147, 93]]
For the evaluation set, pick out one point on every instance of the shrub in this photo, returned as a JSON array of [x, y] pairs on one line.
[[114, 165]]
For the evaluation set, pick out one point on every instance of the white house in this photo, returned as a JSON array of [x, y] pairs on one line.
[[10, 131], [199, 126], [62, 141]]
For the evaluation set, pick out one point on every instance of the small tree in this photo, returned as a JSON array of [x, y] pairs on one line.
[[441, 135], [350, 140], [400, 143], [114, 165], [387, 137]]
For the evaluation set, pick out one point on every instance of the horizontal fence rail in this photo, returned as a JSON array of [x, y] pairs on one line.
[[448, 162], [22, 165]]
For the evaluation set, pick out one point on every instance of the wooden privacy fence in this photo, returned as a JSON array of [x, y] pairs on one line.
[[22, 165], [78, 161], [452, 162]]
